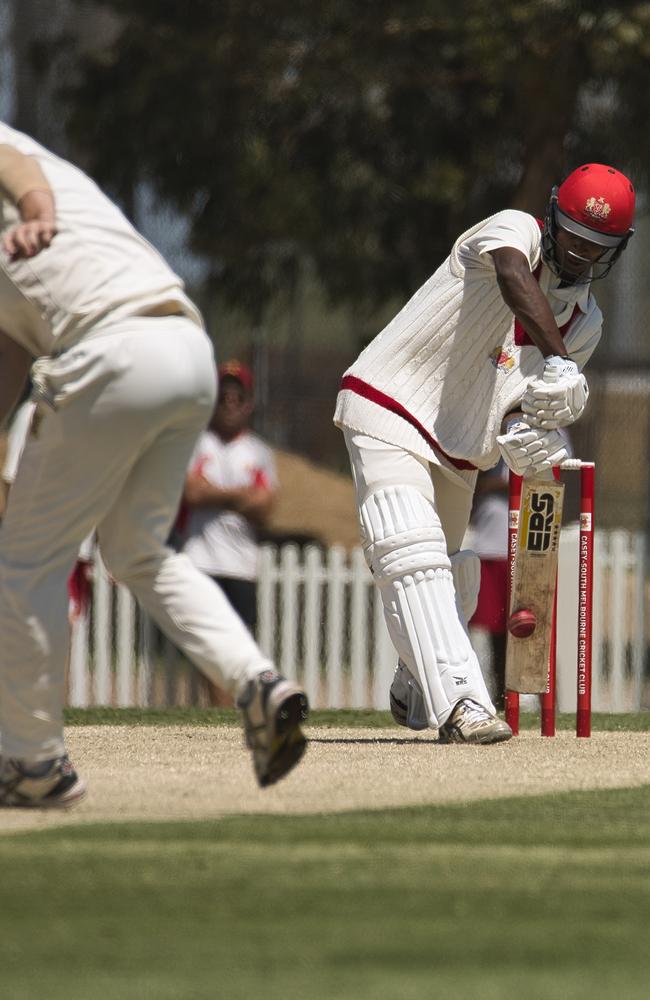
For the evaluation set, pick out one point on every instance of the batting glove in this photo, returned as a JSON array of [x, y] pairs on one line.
[[558, 398], [531, 450]]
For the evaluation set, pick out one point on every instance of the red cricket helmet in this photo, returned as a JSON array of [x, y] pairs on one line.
[[595, 203]]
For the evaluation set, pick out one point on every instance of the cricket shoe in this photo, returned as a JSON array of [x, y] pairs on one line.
[[273, 709], [56, 786], [469, 722], [406, 700]]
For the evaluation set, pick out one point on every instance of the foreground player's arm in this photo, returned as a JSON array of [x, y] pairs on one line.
[[522, 294], [23, 181], [15, 363]]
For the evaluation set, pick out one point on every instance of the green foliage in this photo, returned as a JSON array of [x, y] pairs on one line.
[[361, 136], [544, 898]]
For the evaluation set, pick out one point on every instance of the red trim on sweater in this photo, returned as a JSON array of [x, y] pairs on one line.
[[362, 388], [523, 340]]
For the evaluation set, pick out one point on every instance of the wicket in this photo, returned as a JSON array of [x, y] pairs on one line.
[[585, 604]]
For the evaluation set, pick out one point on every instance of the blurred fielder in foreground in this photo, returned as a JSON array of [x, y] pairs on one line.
[[123, 377], [485, 361]]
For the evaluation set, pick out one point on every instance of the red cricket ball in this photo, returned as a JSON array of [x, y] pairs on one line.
[[522, 623]]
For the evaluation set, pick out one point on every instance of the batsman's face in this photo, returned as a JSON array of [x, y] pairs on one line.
[[576, 256], [233, 410]]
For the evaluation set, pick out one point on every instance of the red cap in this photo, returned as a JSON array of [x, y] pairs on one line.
[[235, 369], [596, 202]]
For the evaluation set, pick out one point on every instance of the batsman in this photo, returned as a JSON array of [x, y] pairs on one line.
[[485, 361]]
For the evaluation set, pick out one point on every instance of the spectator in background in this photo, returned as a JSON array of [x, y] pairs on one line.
[[229, 492]]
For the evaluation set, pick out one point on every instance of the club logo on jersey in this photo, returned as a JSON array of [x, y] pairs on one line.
[[597, 208], [541, 527], [503, 359]]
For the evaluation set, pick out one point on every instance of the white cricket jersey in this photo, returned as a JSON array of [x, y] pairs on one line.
[[222, 542], [97, 271], [438, 380]]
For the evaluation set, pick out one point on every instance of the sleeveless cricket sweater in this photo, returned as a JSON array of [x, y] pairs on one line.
[[440, 378]]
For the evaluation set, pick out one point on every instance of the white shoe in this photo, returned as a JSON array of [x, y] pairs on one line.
[[273, 708], [406, 700], [469, 722]]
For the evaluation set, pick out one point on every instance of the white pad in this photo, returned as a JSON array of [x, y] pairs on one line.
[[466, 569], [407, 554]]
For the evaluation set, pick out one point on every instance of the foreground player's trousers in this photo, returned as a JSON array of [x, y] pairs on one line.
[[111, 452]]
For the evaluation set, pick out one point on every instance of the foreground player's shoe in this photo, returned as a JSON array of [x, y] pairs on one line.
[[272, 709], [406, 700], [58, 787], [469, 722]]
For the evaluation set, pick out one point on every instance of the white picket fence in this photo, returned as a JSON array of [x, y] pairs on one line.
[[321, 620], [621, 624]]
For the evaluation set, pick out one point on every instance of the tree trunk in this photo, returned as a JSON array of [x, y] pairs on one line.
[[549, 90]]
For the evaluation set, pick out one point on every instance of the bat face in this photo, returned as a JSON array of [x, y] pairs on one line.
[[533, 583], [540, 526]]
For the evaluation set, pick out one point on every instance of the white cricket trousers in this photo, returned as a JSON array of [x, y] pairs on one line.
[[129, 404], [376, 464], [412, 519]]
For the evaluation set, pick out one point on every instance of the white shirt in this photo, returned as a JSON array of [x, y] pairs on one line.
[[222, 542], [97, 271], [438, 380]]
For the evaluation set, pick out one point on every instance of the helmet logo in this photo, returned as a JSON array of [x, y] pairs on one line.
[[597, 208]]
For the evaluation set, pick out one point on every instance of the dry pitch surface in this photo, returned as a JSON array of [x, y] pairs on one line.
[[189, 772]]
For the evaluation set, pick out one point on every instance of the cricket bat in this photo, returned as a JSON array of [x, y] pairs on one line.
[[532, 593]]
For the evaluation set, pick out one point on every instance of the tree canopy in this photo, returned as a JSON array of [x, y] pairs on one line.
[[361, 136]]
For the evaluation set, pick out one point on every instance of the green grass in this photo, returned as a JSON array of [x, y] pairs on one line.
[[543, 898], [538, 898], [366, 718]]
